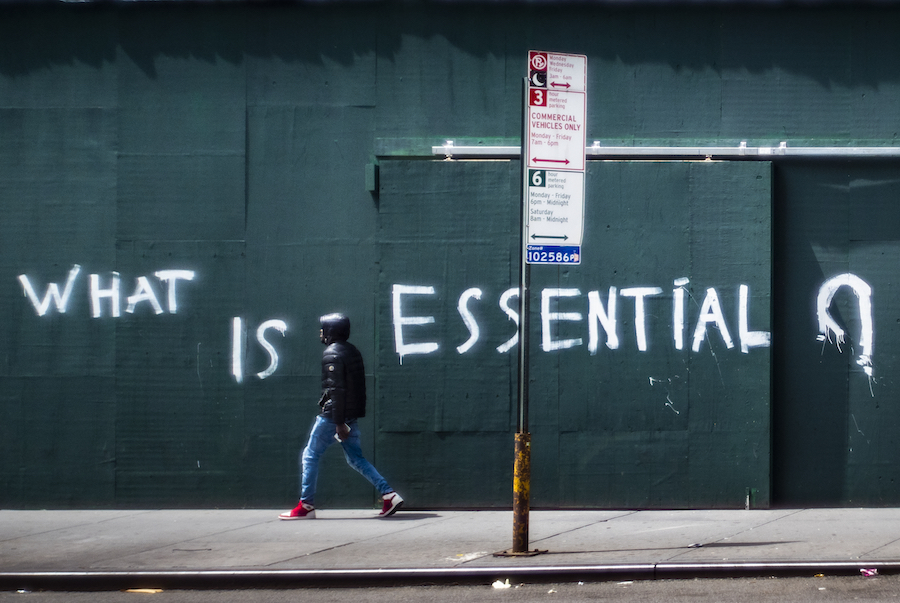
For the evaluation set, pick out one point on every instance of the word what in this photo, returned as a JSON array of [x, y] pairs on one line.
[[105, 296], [110, 292]]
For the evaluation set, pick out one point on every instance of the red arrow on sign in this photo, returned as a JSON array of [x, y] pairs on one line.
[[566, 161], [566, 85]]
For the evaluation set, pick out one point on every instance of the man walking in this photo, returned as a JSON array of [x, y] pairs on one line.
[[343, 402]]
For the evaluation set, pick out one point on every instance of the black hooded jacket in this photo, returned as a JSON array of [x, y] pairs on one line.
[[343, 373]]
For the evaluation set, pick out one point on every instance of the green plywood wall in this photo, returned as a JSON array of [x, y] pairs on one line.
[[614, 425], [834, 420], [233, 143]]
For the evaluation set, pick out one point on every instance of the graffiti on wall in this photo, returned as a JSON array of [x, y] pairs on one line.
[[828, 325], [602, 313], [110, 292]]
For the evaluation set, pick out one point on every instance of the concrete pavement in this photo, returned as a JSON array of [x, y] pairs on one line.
[[99, 550]]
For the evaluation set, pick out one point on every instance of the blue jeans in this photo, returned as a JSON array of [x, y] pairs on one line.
[[320, 438]]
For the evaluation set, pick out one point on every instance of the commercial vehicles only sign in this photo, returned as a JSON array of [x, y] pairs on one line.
[[556, 129], [555, 157]]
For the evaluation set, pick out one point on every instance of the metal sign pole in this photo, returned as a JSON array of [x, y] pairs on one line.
[[553, 123], [522, 467]]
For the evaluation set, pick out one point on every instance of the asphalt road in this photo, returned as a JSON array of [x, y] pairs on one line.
[[747, 590]]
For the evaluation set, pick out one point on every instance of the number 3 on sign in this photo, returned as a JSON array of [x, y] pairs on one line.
[[538, 97]]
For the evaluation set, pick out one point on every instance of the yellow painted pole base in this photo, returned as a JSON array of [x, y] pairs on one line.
[[521, 493]]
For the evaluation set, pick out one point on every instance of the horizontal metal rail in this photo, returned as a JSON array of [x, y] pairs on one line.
[[597, 151]]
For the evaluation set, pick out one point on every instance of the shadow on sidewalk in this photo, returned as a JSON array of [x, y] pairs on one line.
[[400, 516], [678, 548]]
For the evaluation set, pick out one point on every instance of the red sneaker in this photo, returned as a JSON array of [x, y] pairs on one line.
[[392, 502], [301, 511]]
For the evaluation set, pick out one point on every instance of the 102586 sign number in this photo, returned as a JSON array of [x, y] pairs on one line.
[[553, 254]]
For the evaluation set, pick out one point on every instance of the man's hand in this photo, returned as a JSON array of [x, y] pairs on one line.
[[342, 431]]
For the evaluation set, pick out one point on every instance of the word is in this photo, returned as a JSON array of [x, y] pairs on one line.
[[238, 345]]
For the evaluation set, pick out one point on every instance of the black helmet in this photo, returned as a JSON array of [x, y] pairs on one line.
[[335, 327]]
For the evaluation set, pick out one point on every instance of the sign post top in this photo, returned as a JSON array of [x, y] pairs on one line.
[[554, 157], [557, 71]]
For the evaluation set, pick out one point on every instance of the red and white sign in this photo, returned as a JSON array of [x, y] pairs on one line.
[[556, 110], [556, 71], [555, 155], [556, 137]]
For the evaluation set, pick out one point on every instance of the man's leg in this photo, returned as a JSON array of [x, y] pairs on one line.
[[354, 456], [320, 438]]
